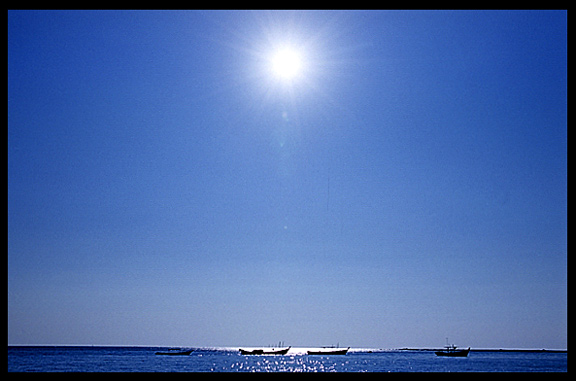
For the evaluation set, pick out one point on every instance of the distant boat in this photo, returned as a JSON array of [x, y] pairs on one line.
[[451, 351], [175, 353], [271, 351], [330, 351]]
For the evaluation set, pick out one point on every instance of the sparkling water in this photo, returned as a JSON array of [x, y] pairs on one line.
[[144, 359]]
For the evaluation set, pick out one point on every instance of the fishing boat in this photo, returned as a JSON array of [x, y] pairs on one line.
[[268, 351], [451, 351], [329, 351], [176, 353]]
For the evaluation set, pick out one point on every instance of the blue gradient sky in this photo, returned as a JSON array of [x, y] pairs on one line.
[[165, 188]]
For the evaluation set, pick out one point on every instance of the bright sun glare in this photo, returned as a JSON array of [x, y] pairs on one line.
[[287, 64]]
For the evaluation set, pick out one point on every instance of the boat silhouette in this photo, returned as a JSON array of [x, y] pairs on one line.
[[271, 351], [331, 351], [451, 351]]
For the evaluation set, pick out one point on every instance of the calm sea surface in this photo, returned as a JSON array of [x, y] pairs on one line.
[[143, 359]]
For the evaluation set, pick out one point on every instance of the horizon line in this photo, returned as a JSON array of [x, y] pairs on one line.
[[295, 347]]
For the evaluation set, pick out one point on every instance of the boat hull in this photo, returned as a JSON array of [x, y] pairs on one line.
[[332, 352], [459, 353], [264, 352]]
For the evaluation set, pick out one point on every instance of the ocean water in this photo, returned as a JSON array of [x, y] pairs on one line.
[[143, 359]]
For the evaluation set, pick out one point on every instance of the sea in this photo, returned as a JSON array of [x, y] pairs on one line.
[[144, 359]]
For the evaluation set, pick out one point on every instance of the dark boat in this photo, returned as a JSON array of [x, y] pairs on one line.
[[451, 351], [329, 352], [176, 353], [271, 351]]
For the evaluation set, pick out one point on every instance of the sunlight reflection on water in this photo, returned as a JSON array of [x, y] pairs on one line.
[[285, 364], [143, 359]]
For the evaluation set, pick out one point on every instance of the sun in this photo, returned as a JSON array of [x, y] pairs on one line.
[[287, 64]]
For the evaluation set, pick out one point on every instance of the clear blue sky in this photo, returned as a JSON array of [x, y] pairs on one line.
[[166, 186]]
